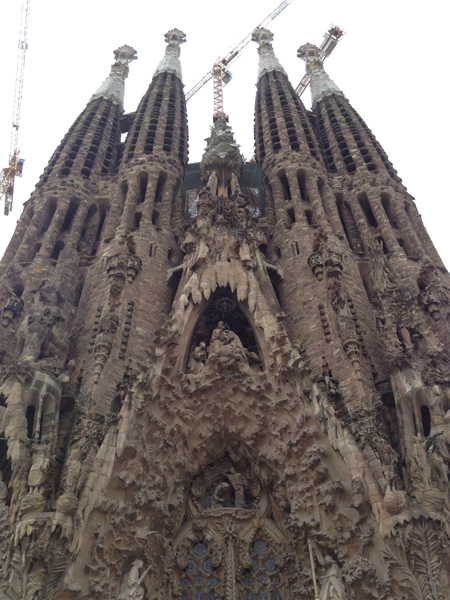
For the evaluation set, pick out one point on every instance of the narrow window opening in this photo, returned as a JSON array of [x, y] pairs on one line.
[[30, 421], [387, 205], [263, 249], [137, 220], [348, 223], [285, 184], [160, 187], [295, 248], [301, 178], [78, 292], [152, 250], [169, 254], [143, 182], [100, 226], [18, 289], [309, 216], [367, 209], [155, 217], [73, 207], [3, 400], [57, 250], [426, 420], [291, 215]]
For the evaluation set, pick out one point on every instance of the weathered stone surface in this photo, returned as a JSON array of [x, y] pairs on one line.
[[215, 404]]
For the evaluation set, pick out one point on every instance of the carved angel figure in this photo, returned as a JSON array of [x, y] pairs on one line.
[[131, 586], [197, 359], [333, 587]]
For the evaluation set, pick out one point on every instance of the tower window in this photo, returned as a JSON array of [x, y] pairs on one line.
[[426, 420], [367, 209]]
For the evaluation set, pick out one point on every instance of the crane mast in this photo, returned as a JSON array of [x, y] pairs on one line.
[[15, 166], [220, 73]]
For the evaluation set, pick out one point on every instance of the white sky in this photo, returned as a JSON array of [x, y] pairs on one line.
[[391, 65]]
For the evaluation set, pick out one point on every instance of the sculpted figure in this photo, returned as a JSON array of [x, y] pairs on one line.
[[388, 457], [420, 470], [438, 457], [197, 359], [227, 352], [131, 587], [333, 587], [41, 465], [3, 490], [238, 481], [12, 308]]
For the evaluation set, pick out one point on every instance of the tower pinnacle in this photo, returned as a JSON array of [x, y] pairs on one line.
[[321, 83], [171, 61], [267, 59], [114, 84]]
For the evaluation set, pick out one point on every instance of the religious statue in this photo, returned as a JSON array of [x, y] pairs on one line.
[[41, 465], [197, 359], [333, 586], [227, 352], [131, 586], [387, 456], [238, 481]]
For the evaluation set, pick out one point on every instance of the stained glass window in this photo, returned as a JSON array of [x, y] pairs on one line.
[[199, 581], [262, 581]]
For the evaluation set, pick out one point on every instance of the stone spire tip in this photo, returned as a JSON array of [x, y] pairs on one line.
[[171, 61], [321, 83], [267, 59], [114, 85]]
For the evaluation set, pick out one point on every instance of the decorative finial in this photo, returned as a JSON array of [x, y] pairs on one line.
[[267, 59], [114, 85], [171, 61], [321, 84]]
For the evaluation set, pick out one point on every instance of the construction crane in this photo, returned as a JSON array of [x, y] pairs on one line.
[[330, 41], [220, 72], [15, 166]]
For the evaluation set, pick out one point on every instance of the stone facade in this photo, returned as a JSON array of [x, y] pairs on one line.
[[228, 401]]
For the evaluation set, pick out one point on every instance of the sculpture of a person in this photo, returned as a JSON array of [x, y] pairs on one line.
[[238, 481], [131, 587], [333, 587], [3, 490], [41, 465], [197, 359]]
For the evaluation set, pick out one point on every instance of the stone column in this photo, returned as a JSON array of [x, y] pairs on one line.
[[383, 222], [55, 228], [77, 225], [278, 200], [320, 218], [331, 210], [361, 223], [296, 197]]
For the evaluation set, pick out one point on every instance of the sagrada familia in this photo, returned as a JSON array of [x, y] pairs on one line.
[[223, 380]]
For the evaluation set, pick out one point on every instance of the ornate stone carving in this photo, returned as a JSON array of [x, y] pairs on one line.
[[103, 342], [315, 261], [12, 308]]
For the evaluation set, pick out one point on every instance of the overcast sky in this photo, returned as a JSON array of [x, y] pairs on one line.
[[391, 65]]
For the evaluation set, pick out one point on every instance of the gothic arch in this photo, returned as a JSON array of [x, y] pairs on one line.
[[186, 337]]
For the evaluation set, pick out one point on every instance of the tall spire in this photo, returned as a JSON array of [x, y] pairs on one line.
[[321, 83], [114, 84], [267, 59], [171, 61]]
